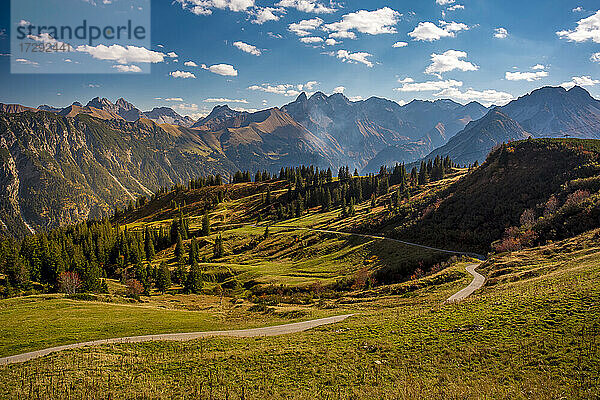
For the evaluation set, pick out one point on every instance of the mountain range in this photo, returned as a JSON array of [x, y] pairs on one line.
[[545, 112], [60, 165]]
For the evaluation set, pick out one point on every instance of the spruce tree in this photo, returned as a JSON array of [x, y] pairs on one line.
[[205, 225], [218, 250], [194, 283], [163, 277], [179, 248]]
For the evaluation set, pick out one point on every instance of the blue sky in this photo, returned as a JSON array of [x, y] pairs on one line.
[[263, 53]]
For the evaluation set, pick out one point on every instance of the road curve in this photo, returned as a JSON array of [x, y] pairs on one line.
[[476, 283], [363, 235], [241, 333]]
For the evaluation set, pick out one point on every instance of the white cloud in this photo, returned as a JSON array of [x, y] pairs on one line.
[[331, 42], [221, 69], [174, 99], [339, 89], [485, 97], [24, 23], [305, 27], [526, 76], [182, 74], [399, 44], [595, 57], [500, 33], [356, 98], [265, 14], [376, 22], [430, 86], [449, 61], [587, 29], [456, 7], [580, 81], [172, 54], [186, 108], [311, 39], [190, 64], [406, 80], [428, 31], [577, 9], [307, 6], [122, 55], [205, 7], [26, 62], [286, 89], [343, 35], [44, 38], [538, 66], [248, 48], [444, 2], [358, 57], [225, 100], [127, 68]]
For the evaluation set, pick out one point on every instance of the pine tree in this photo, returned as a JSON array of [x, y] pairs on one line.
[[266, 234], [193, 253], [218, 250], [149, 245], [163, 277], [179, 248], [193, 282], [205, 225]]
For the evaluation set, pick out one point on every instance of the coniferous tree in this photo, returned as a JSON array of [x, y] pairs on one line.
[[193, 253], [163, 277], [149, 245], [205, 225], [193, 282], [218, 250], [179, 248]]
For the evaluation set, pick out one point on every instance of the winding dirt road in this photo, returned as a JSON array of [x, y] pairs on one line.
[[476, 283], [296, 327], [254, 332]]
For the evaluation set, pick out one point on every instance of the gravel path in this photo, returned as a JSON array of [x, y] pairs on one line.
[[475, 284], [254, 332]]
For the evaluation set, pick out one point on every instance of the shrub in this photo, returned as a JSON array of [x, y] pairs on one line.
[[69, 282], [134, 288]]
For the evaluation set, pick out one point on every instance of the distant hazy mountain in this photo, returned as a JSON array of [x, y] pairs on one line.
[[545, 112], [356, 132], [166, 115], [479, 137], [219, 118], [122, 108], [45, 107], [556, 112]]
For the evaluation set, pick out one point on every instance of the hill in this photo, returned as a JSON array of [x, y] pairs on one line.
[[527, 191], [546, 112]]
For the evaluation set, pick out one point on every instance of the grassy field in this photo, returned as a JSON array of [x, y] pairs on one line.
[[531, 333], [63, 320]]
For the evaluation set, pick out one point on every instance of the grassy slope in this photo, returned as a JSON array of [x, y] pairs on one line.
[[65, 321], [531, 336]]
